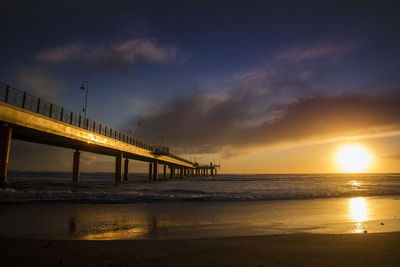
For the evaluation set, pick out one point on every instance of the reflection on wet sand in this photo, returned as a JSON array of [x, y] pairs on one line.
[[358, 213], [118, 228], [182, 220]]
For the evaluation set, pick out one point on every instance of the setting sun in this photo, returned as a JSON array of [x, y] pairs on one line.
[[353, 158]]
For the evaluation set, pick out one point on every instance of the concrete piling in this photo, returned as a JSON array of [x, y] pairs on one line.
[[76, 166], [150, 170], [155, 170], [165, 171], [126, 170], [5, 142], [172, 171], [118, 167]]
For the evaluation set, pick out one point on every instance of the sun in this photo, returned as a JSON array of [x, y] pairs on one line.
[[353, 158]]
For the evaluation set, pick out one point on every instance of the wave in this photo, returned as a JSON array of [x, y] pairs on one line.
[[99, 187], [11, 196]]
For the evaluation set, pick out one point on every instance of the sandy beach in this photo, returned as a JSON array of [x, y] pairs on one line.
[[277, 250]]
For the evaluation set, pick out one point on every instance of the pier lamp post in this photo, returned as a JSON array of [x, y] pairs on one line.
[[85, 86]]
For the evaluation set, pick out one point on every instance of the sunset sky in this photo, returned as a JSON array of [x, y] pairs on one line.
[[275, 87]]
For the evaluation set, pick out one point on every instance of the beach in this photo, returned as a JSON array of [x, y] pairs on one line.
[[273, 250], [269, 220]]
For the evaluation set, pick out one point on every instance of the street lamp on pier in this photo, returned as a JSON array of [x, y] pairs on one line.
[[85, 86]]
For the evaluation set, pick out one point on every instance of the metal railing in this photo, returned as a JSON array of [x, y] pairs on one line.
[[21, 99]]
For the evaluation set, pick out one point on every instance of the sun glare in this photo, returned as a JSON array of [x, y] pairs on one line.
[[353, 158]]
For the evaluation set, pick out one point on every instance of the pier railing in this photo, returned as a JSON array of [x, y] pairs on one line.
[[21, 99]]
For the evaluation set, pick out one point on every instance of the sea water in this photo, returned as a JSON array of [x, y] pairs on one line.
[[48, 205]]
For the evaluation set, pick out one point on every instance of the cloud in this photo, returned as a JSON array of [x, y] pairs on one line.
[[203, 124], [123, 53], [278, 104], [395, 157], [41, 81], [316, 51]]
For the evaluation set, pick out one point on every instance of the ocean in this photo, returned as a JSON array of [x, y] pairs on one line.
[[48, 205], [100, 187]]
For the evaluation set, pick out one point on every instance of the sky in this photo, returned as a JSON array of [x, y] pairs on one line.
[[259, 86]]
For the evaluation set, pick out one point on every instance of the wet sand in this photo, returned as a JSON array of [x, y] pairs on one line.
[[382, 249], [198, 219]]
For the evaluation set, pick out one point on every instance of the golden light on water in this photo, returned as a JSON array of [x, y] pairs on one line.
[[358, 212], [353, 158], [358, 209]]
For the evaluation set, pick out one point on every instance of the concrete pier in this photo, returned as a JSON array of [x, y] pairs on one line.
[[155, 170], [150, 170], [45, 123], [126, 170], [5, 142], [118, 167], [76, 166]]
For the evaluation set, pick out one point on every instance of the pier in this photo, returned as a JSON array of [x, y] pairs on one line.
[[33, 119]]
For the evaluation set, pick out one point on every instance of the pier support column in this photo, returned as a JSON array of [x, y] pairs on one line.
[[150, 170], [165, 171], [181, 170], [118, 167], [155, 170], [211, 169], [5, 141], [76, 166], [172, 171], [126, 170]]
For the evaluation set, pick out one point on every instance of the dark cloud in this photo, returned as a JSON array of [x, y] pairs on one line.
[[201, 123]]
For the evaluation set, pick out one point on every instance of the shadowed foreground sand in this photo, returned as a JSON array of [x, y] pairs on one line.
[[297, 250]]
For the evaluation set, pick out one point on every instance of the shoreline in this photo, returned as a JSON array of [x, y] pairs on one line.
[[193, 220], [271, 250]]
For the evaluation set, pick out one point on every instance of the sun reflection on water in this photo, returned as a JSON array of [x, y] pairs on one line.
[[358, 212]]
